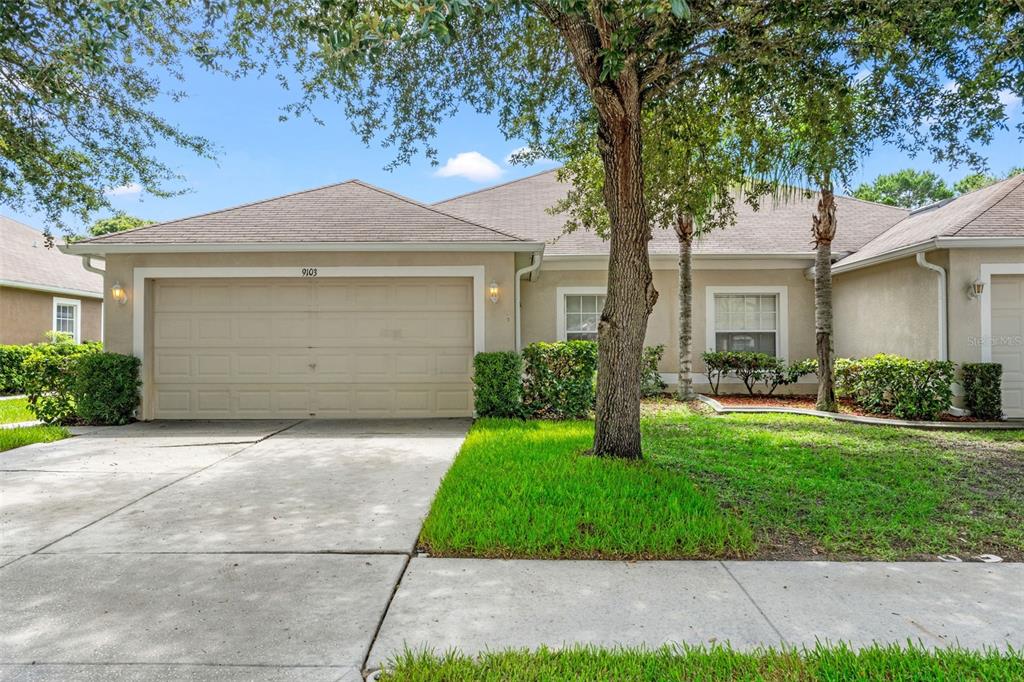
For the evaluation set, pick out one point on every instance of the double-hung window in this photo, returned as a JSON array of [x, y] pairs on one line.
[[67, 317], [746, 321], [579, 312]]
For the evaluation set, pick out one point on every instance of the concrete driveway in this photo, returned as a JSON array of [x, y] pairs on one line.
[[211, 550]]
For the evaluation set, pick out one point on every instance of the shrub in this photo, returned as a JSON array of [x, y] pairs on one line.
[[983, 389], [12, 376], [755, 368], [48, 374], [558, 379], [650, 380], [498, 384], [845, 375], [105, 387], [718, 364], [890, 384]]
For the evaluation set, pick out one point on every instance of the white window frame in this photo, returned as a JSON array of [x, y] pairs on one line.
[[560, 294], [782, 319], [77, 305]]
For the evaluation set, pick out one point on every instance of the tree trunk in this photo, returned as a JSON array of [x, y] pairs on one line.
[[824, 232], [631, 294], [684, 231]]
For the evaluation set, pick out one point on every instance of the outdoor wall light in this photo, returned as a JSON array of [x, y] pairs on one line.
[[493, 291], [118, 293], [975, 289]]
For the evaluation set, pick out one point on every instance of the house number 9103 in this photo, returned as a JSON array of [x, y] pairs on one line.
[[309, 272]]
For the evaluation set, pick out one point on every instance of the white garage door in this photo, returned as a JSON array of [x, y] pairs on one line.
[[1008, 339], [240, 348]]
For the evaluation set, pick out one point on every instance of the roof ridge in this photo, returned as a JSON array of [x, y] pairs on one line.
[[1011, 186], [500, 184], [420, 204], [222, 210]]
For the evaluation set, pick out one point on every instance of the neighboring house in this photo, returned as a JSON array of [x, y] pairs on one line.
[[351, 301], [947, 282], [42, 289]]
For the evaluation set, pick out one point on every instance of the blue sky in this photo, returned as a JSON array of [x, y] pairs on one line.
[[259, 156]]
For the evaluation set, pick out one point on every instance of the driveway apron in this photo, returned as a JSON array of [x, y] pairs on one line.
[[210, 550]]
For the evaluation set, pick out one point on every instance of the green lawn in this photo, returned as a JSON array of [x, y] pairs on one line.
[[26, 435], [15, 410], [834, 664], [745, 486]]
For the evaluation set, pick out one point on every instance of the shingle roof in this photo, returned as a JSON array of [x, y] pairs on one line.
[[25, 259], [346, 212], [781, 227], [993, 211]]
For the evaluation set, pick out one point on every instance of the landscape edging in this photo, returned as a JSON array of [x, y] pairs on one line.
[[856, 419]]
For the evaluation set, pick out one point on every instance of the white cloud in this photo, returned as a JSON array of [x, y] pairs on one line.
[[124, 190], [470, 165]]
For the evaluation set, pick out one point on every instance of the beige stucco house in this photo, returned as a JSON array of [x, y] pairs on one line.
[[42, 289], [351, 301]]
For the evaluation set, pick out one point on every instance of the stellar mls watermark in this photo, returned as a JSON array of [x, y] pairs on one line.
[[995, 340]]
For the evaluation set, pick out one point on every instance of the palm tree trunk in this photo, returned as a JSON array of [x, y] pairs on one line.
[[684, 231], [824, 232]]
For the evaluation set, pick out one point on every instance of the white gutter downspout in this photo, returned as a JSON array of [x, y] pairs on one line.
[[87, 264], [534, 265], [922, 261]]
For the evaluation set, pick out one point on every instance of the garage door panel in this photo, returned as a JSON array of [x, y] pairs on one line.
[[1008, 339], [330, 348], [213, 328], [215, 402], [172, 329]]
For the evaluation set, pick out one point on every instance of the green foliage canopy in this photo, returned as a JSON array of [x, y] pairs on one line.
[[908, 188], [117, 223], [78, 81]]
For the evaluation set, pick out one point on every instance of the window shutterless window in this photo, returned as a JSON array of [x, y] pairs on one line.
[[67, 317], [747, 322], [582, 314]]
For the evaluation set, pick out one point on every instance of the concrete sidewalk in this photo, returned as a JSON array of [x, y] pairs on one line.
[[473, 604]]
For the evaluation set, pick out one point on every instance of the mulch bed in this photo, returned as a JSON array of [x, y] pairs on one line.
[[806, 402]]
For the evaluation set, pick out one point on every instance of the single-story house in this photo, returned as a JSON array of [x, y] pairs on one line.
[[42, 290], [352, 301]]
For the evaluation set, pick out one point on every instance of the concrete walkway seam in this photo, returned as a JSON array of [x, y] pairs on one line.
[[754, 602], [383, 615]]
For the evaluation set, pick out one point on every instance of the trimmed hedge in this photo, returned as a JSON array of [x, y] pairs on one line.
[[12, 376], [558, 381], [498, 384], [753, 369], [49, 372], [105, 387], [982, 383], [79, 383], [890, 384]]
